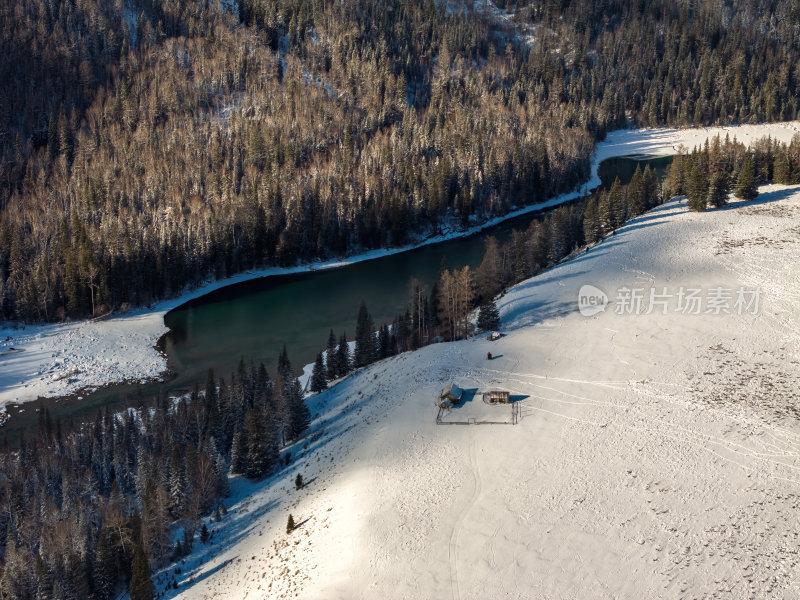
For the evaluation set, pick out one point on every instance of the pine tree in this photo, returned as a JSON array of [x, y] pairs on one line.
[[284, 365], [343, 356], [488, 316], [177, 481], [141, 584], [239, 456], [649, 188], [298, 482], [331, 365], [635, 194], [300, 415], [746, 182], [781, 171], [718, 189], [591, 224], [697, 192], [319, 379], [617, 205], [262, 451], [290, 524], [365, 340], [605, 214], [384, 342], [674, 183], [204, 533], [519, 249]]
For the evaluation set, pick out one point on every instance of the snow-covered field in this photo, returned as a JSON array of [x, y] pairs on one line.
[[657, 455], [55, 360]]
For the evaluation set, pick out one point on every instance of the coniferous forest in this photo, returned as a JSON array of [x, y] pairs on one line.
[[146, 146], [87, 512]]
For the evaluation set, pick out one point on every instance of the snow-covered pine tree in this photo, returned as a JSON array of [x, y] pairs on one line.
[[239, 457], [177, 481], [319, 379]]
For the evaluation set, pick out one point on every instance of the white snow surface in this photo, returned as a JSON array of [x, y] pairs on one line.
[[57, 360], [656, 456]]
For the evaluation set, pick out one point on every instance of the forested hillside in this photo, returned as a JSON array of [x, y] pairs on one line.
[[147, 146]]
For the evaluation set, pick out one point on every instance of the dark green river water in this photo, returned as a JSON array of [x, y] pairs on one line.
[[254, 319]]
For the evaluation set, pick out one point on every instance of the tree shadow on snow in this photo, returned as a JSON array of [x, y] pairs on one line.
[[764, 198]]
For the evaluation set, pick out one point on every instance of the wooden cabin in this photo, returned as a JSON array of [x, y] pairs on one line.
[[497, 397], [450, 395]]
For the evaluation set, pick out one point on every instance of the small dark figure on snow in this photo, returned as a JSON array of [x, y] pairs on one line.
[[298, 482], [488, 356]]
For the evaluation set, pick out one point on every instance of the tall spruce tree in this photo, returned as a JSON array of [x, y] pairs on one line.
[[262, 451], [697, 187], [300, 415], [591, 223], [617, 204], [746, 188], [384, 342], [635, 193], [319, 378], [488, 315], [649, 188], [332, 368], [343, 361], [239, 456], [718, 189], [365, 340], [781, 170]]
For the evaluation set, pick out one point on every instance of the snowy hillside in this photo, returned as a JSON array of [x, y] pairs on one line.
[[56, 360], [657, 455]]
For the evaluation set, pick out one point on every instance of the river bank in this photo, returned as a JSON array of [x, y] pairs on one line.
[[58, 359]]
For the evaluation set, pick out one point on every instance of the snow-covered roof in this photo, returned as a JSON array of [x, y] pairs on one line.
[[452, 391]]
